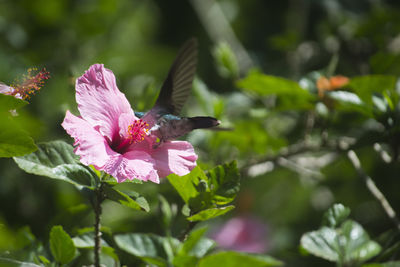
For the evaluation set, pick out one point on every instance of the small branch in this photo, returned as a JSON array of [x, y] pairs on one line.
[[299, 169], [373, 188], [338, 146], [186, 232], [287, 152], [384, 155], [97, 233]]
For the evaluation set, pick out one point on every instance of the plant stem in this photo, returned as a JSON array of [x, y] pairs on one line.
[[97, 233], [373, 188], [186, 232]]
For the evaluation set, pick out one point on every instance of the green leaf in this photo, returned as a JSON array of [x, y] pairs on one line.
[[366, 86], [135, 201], [108, 253], [359, 247], [57, 160], [237, 259], [14, 141], [385, 63], [322, 243], [8, 102], [205, 193], [334, 216], [61, 245], [226, 61], [249, 137], [166, 211], [184, 260], [344, 245], [84, 241], [210, 213], [202, 247], [24, 237], [192, 240], [290, 95], [113, 182], [384, 264], [8, 262], [225, 181], [149, 247], [45, 261], [196, 245], [185, 185], [348, 101]]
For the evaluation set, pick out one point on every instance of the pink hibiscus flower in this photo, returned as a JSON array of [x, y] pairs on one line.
[[110, 137], [243, 233]]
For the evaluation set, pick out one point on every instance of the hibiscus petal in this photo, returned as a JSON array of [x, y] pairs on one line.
[[5, 89], [99, 101], [124, 121], [91, 146], [132, 165], [174, 157]]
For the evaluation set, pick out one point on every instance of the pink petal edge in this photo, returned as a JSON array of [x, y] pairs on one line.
[[99, 101], [91, 146], [174, 157]]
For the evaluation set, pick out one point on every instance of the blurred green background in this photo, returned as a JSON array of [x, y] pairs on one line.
[[138, 41]]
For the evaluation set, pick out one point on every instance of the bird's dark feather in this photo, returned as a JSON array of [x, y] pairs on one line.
[[176, 88]]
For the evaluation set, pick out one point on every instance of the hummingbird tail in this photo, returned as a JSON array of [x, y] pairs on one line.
[[202, 122]]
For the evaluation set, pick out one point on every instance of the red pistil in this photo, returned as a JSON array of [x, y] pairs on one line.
[[136, 133]]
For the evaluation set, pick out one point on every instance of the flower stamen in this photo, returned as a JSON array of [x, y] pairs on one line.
[[30, 84], [137, 131]]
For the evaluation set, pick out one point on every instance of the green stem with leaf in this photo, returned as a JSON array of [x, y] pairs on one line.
[[99, 198]]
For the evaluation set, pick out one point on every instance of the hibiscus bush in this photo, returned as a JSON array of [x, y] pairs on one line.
[[204, 133]]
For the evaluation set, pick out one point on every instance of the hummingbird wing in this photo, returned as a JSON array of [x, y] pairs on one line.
[[176, 88]]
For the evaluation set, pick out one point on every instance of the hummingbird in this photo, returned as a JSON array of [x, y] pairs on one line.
[[163, 118]]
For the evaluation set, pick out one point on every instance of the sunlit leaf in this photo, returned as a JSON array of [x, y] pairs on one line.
[[335, 215], [192, 240], [8, 262], [322, 243], [210, 213], [349, 243], [250, 137], [206, 193], [290, 94], [359, 247], [149, 247], [84, 241], [225, 181], [366, 86], [348, 101], [133, 201], [61, 245], [184, 184], [56, 160]]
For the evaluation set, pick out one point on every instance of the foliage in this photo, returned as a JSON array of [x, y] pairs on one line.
[[287, 148]]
